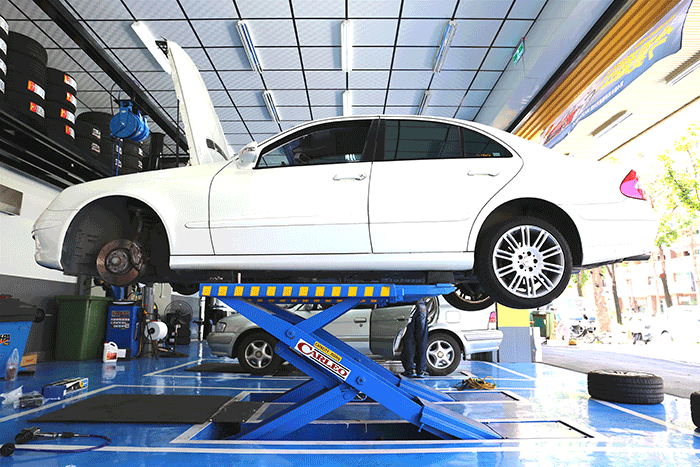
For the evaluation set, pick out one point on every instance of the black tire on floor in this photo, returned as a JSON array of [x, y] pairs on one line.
[[626, 387], [695, 408]]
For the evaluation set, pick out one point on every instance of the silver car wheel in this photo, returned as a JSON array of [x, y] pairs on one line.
[[258, 354], [441, 354], [528, 261]]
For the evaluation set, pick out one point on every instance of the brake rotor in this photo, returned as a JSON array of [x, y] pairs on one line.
[[120, 262]]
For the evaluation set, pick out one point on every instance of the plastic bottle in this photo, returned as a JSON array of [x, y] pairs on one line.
[[109, 354], [12, 366]]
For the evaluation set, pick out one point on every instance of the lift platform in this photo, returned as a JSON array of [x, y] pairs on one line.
[[338, 372]]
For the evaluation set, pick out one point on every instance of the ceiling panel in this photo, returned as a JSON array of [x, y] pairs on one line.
[[452, 79], [475, 33], [321, 58], [216, 32], [155, 9], [421, 32], [318, 9], [321, 32], [484, 9], [325, 79], [368, 79], [373, 8], [428, 9], [209, 9], [228, 58], [298, 44], [374, 31]]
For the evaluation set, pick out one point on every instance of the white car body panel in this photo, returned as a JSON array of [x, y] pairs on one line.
[[198, 115], [290, 210], [228, 215]]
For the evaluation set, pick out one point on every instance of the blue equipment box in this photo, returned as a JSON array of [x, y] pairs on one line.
[[65, 387], [122, 326]]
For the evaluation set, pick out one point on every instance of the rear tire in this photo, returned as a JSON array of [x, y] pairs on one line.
[[256, 354], [627, 387], [444, 354], [524, 263], [469, 297]]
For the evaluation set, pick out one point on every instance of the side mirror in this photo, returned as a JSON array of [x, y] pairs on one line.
[[248, 155]]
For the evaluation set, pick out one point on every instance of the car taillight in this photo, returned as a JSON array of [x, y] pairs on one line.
[[631, 187], [492, 317]]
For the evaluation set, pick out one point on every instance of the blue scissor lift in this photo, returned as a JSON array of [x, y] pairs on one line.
[[337, 371]]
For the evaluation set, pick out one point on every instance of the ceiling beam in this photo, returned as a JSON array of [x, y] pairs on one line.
[[70, 25]]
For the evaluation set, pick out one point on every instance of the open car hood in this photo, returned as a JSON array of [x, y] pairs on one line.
[[205, 137]]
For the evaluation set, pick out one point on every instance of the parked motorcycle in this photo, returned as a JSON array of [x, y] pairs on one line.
[[584, 330]]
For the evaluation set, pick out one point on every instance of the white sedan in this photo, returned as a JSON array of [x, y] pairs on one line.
[[393, 198]]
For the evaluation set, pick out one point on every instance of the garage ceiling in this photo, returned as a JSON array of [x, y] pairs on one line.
[[299, 44]]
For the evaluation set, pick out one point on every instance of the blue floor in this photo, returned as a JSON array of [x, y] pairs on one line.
[[604, 433]]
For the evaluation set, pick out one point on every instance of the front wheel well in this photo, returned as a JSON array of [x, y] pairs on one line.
[[540, 209], [111, 218]]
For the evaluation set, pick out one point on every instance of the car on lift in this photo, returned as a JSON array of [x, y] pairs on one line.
[[399, 199], [377, 332]]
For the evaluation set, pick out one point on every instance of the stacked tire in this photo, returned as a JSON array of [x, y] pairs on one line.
[[4, 30], [26, 80], [93, 136], [695, 408], [61, 91]]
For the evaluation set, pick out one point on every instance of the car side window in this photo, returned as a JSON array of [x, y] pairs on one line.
[[414, 139], [328, 144], [477, 145]]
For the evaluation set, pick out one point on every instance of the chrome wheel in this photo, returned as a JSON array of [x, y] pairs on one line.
[[259, 354], [443, 354], [528, 261]]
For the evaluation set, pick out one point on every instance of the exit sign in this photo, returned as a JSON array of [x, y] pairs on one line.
[[518, 52]]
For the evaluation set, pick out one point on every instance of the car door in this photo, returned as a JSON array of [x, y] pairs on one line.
[[353, 328], [429, 181], [307, 194]]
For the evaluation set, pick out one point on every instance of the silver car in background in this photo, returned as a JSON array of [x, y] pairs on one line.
[[452, 336]]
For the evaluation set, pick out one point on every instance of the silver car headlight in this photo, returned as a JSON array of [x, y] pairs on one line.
[[220, 327]]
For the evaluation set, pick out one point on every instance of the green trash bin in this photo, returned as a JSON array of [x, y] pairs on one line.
[[80, 326]]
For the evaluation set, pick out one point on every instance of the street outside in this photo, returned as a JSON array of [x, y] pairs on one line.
[[677, 363]]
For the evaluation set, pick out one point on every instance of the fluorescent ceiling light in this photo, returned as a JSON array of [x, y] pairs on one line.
[[244, 34], [684, 70], [270, 104], [444, 46], [611, 123], [346, 45], [149, 41], [347, 103], [424, 101]]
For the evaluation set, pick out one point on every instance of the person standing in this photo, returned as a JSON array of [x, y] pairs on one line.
[[415, 347]]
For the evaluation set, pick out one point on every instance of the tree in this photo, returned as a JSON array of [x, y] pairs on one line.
[[602, 315], [675, 194], [613, 279]]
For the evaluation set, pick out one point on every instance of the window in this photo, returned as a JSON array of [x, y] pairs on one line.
[[415, 139], [477, 145], [327, 144], [412, 139]]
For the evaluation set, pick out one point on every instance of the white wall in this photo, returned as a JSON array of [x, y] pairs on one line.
[[16, 243]]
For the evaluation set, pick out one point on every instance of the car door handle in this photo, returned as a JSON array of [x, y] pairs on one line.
[[360, 320], [400, 318], [487, 174], [338, 178]]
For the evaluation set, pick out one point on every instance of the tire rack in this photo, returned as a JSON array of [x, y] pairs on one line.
[[338, 372], [32, 152]]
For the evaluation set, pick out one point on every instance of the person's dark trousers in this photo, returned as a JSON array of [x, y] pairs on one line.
[[415, 345]]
